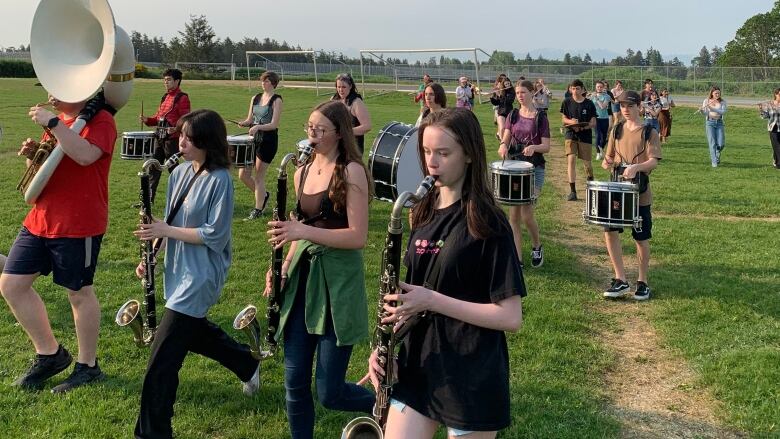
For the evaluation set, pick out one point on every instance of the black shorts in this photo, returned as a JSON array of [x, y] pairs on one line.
[[72, 260], [266, 150], [647, 226]]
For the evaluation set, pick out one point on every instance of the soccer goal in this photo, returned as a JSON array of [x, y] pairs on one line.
[[405, 72], [214, 68], [280, 67]]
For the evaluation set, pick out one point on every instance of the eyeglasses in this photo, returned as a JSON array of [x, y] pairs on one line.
[[317, 132]]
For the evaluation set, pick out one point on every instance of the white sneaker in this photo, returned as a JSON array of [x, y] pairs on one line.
[[598, 155], [253, 385]]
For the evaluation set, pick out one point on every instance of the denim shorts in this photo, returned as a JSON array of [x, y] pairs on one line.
[[72, 261], [398, 405], [538, 179], [647, 226]]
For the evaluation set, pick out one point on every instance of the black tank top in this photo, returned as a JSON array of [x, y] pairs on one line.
[[317, 209]]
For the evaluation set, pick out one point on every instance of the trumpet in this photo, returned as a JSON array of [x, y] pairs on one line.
[[246, 320]]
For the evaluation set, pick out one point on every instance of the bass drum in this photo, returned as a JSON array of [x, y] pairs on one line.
[[394, 161]]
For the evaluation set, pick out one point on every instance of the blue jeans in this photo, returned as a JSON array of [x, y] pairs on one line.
[[653, 123], [332, 362], [716, 138]]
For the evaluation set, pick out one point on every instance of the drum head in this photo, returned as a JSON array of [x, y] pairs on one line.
[[241, 139], [394, 161], [513, 166], [138, 134]]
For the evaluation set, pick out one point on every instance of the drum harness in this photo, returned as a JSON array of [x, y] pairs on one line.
[[642, 179]]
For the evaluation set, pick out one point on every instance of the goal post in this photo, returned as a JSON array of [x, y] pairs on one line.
[[229, 66], [376, 53], [263, 53]]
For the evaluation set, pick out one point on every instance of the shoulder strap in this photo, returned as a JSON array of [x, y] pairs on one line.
[[177, 205]]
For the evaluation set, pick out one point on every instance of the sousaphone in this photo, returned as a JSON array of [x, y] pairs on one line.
[[95, 53]]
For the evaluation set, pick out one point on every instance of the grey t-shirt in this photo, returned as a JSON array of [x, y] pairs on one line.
[[196, 273]]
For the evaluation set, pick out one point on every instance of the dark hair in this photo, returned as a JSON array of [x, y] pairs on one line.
[[338, 114], [271, 76], [777, 90], [577, 83], [617, 81], [712, 89], [439, 95], [173, 73], [648, 81], [528, 85], [477, 202], [353, 93], [206, 130]]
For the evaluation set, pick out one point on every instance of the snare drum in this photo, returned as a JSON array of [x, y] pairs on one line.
[[242, 150], [612, 204], [137, 145], [513, 182], [394, 161]]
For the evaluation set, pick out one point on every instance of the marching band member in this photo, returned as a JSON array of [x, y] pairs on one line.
[[420, 95], [62, 235], [464, 93], [617, 90], [528, 129], [541, 95], [435, 100], [197, 257], [265, 110], [453, 368], [579, 116], [651, 108], [665, 115], [324, 309], [640, 149], [771, 111], [601, 100], [503, 98], [346, 92], [713, 109], [173, 105]]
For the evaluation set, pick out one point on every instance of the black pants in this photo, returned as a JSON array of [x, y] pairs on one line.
[[162, 151], [774, 137], [177, 335]]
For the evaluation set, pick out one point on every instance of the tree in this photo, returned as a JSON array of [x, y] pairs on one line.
[[567, 58], [704, 59], [502, 58], [196, 42], [756, 43], [587, 60]]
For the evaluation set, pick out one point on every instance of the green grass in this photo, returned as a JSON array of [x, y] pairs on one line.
[[715, 281]]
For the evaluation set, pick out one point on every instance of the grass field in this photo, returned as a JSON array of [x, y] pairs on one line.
[[714, 276]]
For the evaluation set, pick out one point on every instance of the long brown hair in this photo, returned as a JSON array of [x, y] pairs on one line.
[[338, 114], [712, 90], [477, 201]]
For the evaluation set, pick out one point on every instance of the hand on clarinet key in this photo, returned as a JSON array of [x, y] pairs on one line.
[[282, 232], [148, 232], [416, 300], [140, 270]]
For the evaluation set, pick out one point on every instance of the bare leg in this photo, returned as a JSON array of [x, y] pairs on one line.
[[643, 253], [615, 251], [261, 168], [527, 215], [29, 310], [588, 169], [86, 316], [500, 120], [245, 175], [515, 220], [571, 169], [409, 424]]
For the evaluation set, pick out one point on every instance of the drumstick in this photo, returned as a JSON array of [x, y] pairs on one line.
[[234, 121]]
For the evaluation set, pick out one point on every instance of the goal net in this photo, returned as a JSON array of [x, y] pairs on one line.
[[208, 70], [258, 61]]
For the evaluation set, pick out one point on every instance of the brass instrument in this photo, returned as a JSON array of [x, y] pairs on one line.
[[75, 72], [129, 314], [246, 320], [384, 336], [37, 158]]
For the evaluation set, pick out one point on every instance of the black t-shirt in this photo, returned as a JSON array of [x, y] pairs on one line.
[[582, 111], [451, 371]]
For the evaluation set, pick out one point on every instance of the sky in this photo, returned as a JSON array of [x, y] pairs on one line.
[[674, 27]]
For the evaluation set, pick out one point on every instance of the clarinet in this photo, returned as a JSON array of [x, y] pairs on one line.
[[385, 338], [129, 314], [245, 320]]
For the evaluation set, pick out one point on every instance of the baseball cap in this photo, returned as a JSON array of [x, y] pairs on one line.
[[630, 97]]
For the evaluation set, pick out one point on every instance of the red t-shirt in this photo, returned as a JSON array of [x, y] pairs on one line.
[[167, 110], [74, 203]]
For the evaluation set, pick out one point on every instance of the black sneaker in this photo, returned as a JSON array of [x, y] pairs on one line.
[[82, 374], [617, 289], [572, 196], [43, 368], [537, 257], [642, 291], [254, 214]]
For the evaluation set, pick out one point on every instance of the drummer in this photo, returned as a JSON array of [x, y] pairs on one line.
[[526, 137], [265, 111], [640, 149]]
